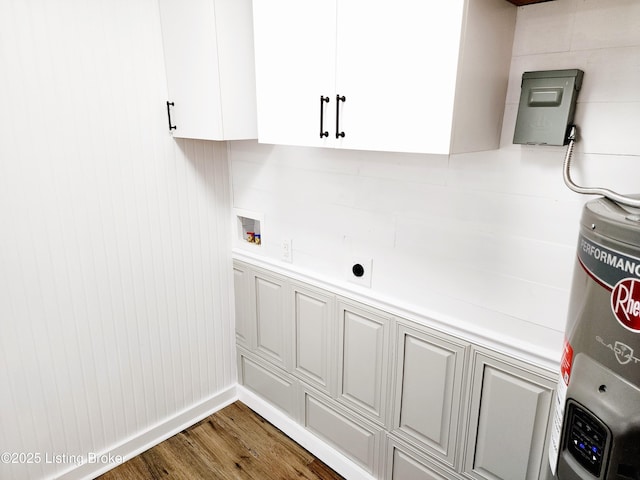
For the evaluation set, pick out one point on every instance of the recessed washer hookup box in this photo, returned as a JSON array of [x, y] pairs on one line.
[[547, 104]]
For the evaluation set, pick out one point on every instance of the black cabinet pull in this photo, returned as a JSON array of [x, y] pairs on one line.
[[322, 100], [169, 105], [338, 100]]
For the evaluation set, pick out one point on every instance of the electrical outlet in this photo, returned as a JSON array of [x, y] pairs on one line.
[[359, 271], [287, 252]]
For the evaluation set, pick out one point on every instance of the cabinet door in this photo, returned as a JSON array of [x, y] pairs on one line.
[[396, 65], [314, 336], [294, 57], [270, 318], [509, 420], [208, 52], [428, 388], [364, 358]]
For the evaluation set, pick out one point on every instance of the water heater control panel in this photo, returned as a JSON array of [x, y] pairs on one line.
[[586, 438]]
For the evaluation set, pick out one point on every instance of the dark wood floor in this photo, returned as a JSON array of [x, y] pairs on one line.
[[234, 443]]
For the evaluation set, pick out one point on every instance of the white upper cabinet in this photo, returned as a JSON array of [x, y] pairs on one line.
[[208, 52], [416, 75], [295, 45]]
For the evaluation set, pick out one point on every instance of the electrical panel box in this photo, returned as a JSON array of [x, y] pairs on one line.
[[547, 104]]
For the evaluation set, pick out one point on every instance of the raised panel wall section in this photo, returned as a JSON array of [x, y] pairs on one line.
[[406, 463], [400, 399], [509, 420], [428, 390], [268, 382], [363, 342], [240, 287], [361, 440], [270, 318], [314, 336]]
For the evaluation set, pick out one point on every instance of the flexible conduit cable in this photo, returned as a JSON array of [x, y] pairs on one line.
[[611, 195]]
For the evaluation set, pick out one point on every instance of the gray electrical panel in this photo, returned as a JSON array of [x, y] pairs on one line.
[[547, 104]]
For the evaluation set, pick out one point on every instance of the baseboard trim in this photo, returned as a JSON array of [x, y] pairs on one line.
[[300, 435], [153, 436], [158, 433]]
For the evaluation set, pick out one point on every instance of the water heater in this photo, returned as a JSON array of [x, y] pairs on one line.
[[597, 424]]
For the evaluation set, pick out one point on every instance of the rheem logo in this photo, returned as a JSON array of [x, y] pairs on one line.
[[625, 303]]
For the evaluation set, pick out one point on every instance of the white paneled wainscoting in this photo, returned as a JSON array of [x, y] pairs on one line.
[[390, 391]]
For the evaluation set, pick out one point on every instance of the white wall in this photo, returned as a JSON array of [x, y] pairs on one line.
[[492, 231], [114, 249], [114, 240]]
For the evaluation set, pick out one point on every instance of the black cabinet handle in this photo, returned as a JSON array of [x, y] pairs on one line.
[[338, 100], [322, 100], [170, 104]]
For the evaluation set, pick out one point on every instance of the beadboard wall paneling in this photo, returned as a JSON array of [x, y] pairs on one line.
[[115, 269], [496, 230]]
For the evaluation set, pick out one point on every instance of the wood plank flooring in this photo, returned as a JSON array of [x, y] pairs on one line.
[[232, 444]]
